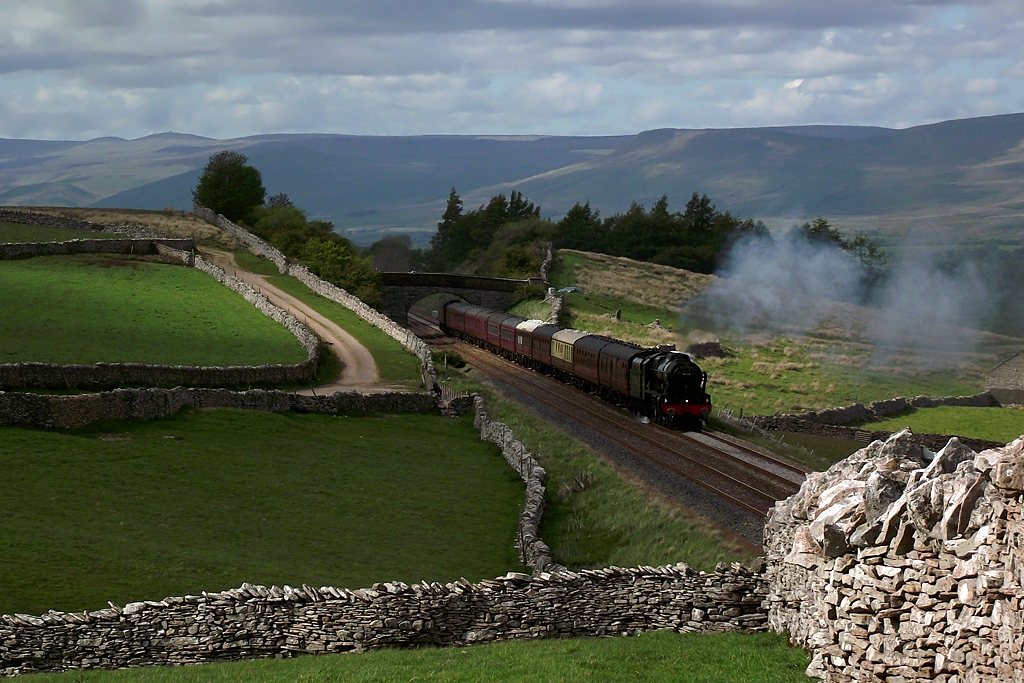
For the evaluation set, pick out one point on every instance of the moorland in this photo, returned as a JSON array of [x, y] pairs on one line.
[[954, 181]]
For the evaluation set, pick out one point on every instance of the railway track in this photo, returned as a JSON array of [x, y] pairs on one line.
[[731, 471]]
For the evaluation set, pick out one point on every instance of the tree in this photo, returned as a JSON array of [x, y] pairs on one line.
[[280, 199], [230, 186]]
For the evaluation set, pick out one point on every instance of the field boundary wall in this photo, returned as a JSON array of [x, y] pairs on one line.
[[933, 442], [258, 622], [325, 289], [858, 413], [38, 218], [128, 245], [112, 375], [71, 412]]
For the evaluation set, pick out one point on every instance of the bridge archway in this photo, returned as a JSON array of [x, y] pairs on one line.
[[428, 308], [402, 290]]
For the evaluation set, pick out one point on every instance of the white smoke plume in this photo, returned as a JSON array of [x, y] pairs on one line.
[[793, 285]]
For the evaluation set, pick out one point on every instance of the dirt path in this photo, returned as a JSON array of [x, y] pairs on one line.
[[359, 369]]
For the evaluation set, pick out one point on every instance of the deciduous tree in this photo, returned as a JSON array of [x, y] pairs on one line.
[[230, 186]]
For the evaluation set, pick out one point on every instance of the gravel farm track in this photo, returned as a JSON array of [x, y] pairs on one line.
[[731, 483], [359, 369]]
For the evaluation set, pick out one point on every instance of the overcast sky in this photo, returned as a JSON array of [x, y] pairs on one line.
[[79, 69]]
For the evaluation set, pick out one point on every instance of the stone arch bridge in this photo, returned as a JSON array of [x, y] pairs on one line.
[[402, 290]]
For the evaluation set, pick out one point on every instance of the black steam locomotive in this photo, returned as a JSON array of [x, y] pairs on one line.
[[667, 386]]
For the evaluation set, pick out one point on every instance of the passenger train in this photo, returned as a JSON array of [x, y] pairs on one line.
[[665, 385]]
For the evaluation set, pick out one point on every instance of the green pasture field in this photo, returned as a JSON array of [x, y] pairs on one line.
[[611, 521], [992, 424], [659, 656], [562, 273], [103, 308], [395, 363], [206, 500], [21, 232]]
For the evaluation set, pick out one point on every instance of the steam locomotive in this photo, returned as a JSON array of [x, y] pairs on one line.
[[665, 385]]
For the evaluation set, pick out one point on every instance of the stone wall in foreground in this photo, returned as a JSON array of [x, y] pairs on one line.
[[258, 622], [899, 564]]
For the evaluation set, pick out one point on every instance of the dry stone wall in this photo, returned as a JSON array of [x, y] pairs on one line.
[[1006, 381], [70, 412], [899, 564], [533, 551], [37, 218], [127, 245], [858, 413], [786, 423], [260, 622]]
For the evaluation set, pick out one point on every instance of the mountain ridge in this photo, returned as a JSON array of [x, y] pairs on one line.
[[962, 178]]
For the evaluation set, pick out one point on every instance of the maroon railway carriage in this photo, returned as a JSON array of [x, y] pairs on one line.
[[613, 366], [585, 354], [542, 345], [507, 334]]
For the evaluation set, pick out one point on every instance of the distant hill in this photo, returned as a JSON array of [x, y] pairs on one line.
[[959, 179]]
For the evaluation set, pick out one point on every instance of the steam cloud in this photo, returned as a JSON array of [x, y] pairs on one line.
[[793, 285]]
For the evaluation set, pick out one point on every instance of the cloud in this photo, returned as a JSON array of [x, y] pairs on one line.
[[501, 66]]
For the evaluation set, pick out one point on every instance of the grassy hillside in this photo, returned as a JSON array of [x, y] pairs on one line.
[[205, 500], [93, 308], [662, 656], [168, 223]]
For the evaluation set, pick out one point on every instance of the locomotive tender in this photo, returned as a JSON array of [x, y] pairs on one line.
[[666, 386]]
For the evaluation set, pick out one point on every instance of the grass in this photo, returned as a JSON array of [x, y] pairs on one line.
[[656, 286], [660, 656], [255, 264], [770, 372], [992, 424], [796, 374], [205, 500], [394, 362], [532, 309], [611, 521], [93, 308], [21, 232]]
